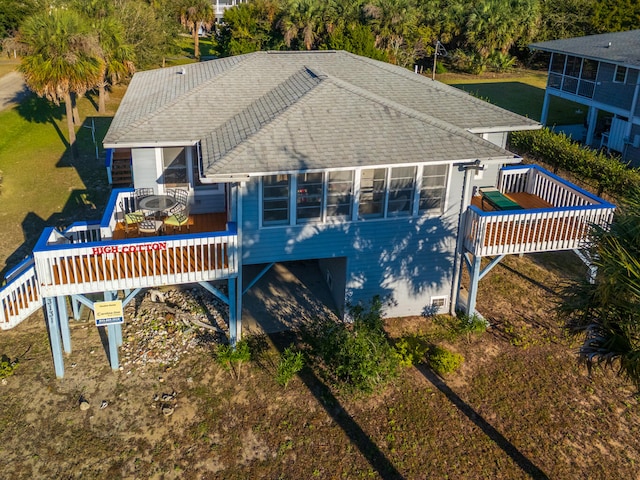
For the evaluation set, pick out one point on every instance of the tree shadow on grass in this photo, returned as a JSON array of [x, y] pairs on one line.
[[509, 448], [39, 110], [325, 397]]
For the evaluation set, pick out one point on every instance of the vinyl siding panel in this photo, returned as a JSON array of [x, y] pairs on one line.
[[611, 93], [404, 260]]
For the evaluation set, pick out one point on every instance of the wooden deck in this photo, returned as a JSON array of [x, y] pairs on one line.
[[198, 223]]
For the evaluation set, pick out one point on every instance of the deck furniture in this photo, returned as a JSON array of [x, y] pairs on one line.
[[141, 193], [178, 217], [497, 200], [149, 226], [181, 196], [130, 218], [157, 205]]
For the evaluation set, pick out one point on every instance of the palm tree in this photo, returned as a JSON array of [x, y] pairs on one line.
[[392, 21], [606, 313], [302, 17], [193, 14], [118, 57], [63, 59]]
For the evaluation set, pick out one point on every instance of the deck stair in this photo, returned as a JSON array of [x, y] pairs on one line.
[[121, 175]]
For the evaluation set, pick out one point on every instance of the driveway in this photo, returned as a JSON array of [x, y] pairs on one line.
[[12, 89]]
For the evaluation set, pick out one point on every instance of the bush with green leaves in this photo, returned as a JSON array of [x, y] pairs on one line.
[[231, 358], [358, 354], [291, 362], [411, 349], [444, 361], [7, 366], [607, 174]]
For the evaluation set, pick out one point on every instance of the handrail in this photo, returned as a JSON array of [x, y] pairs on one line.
[[20, 297]]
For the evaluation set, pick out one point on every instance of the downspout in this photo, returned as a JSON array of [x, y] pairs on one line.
[[468, 169]]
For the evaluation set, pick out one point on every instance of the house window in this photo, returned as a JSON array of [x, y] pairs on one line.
[[620, 75], [339, 193], [589, 69], [433, 188], [174, 162], [309, 197], [557, 63], [401, 188], [275, 199], [372, 186]]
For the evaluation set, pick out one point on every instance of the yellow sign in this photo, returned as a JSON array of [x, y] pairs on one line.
[[108, 313]]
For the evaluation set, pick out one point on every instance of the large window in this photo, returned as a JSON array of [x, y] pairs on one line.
[[339, 193], [174, 162], [309, 197], [372, 186], [433, 189], [275, 200], [620, 75], [401, 188]]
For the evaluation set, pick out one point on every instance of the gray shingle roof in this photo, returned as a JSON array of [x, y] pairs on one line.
[[271, 111], [617, 47]]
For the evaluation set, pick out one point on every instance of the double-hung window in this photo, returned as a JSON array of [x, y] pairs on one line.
[[309, 197], [433, 188], [372, 186], [339, 193], [275, 199], [401, 188]]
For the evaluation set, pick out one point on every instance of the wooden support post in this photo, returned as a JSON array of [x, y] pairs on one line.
[[54, 335], [473, 285], [63, 318]]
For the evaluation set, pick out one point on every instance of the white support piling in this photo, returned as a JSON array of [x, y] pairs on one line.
[[54, 335], [63, 318], [473, 284]]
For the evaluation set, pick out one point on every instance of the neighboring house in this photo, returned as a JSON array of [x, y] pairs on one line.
[[368, 169], [219, 7], [601, 72]]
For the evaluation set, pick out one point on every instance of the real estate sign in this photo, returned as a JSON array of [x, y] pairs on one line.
[[108, 313]]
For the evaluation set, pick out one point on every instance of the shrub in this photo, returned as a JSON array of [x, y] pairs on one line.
[[7, 366], [231, 359], [443, 361], [608, 174], [411, 349], [468, 324], [291, 362], [358, 355]]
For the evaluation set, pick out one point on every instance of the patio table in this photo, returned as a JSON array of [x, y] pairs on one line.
[[157, 204]]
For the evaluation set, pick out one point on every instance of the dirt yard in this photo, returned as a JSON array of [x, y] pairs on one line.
[[520, 407]]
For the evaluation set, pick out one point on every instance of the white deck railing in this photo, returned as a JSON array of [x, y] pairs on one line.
[[20, 297], [564, 226], [65, 269]]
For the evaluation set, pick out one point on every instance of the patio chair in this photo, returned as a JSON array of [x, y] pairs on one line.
[[182, 197], [141, 193], [178, 217], [130, 218]]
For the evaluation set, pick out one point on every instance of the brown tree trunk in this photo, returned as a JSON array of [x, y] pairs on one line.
[[72, 133], [76, 114], [196, 42]]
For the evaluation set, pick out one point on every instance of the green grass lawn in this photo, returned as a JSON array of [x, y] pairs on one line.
[[520, 92], [41, 185]]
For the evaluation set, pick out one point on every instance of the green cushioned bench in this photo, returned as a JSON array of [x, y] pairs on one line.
[[497, 200]]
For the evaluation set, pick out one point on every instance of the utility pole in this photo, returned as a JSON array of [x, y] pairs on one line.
[[439, 50]]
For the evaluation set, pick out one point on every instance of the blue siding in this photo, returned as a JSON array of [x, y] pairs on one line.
[[616, 94], [408, 259]]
